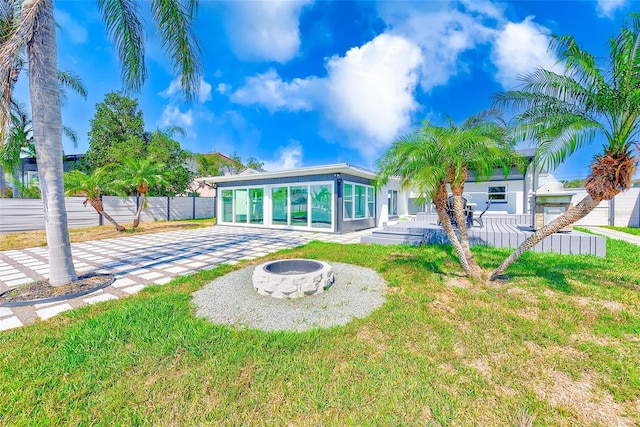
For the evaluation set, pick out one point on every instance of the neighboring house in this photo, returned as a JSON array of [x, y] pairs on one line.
[[28, 172]]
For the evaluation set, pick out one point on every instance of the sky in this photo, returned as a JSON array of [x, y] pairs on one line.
[[305, 83]]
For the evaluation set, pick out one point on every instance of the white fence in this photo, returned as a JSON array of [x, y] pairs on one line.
[[27, 214], [622, 211]]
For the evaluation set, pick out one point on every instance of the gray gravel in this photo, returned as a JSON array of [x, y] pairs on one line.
[[231, 300]]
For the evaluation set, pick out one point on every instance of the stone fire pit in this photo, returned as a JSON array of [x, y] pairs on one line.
[[292, 278]]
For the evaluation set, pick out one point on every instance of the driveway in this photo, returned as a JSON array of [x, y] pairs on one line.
[[139, 261]]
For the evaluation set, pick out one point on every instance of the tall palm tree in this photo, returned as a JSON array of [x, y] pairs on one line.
[[591, 101], [90, 186], [434, 156], [35, 28], [142, 174]]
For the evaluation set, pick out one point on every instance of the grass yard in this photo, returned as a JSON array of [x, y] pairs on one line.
[[32, 239], [558, 344], [630, 230]]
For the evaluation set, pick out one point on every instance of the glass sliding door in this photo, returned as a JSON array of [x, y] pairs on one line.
[[321, 206], [299, 206], [348, 201], [256, 210], [361, 202], [371, 202], [280, 205], [227, 205], [240, 201]]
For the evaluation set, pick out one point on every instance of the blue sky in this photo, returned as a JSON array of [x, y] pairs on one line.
[[304, 83]]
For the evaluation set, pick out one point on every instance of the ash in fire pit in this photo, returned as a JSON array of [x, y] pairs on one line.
[[292, 278]]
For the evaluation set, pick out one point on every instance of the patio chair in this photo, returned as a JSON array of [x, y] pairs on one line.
[[478, 221], [466, 206]]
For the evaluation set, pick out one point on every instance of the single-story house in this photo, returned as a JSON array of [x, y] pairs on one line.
[[336, 198], [341, 198]]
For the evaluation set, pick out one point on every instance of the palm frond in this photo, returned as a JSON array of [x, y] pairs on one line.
[[126, 31], [174, 20], [69, 79]]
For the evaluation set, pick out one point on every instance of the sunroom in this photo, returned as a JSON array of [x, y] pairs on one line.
[[334, 198]]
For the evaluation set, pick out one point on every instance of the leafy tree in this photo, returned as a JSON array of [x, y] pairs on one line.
[[141, 175], [78, 183], [433, 156], [574, 183], [35, 28], [117, 131], [562, 113], [253, 163], [215, 164], [163, 149]]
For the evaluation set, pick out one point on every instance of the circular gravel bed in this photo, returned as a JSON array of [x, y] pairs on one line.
[[232, 300]]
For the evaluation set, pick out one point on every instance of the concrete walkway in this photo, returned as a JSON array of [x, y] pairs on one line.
[[139, 261], [613, 234]]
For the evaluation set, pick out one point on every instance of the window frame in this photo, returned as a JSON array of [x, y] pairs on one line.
[[497, 196]]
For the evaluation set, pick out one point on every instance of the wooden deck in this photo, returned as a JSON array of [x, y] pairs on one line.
[[503, 232]]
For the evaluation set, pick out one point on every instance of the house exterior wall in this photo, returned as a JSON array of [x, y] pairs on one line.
[[339, 223]]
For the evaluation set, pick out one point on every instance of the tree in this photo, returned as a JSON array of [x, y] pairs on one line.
[[35, 28], [141, 174], [434, 156], [164, 149], [90, 186], [117, 131], [19, 141], [574, 183], [562, 113], [17, 134]]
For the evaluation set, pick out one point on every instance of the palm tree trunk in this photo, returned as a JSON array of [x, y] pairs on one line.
[[47, 131], [136, 219], [2, 182], [461, 219], [97, 205], [440, 202], [574, 214], [15, 184]]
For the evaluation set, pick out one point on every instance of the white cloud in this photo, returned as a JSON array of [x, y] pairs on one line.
[[607, 8], [204, 90], [521, 48], [370, 89], [289, 157], [76, 32], [171, 115], [485, 8], [264, 30], [270, 91], [443, 33], [368, 93], [223, 88]]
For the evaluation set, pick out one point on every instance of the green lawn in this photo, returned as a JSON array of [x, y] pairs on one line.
[[630, 230], [558, 344]]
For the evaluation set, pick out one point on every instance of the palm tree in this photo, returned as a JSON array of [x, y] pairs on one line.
[[142, 174], [35, 28], [91, 187], [434, 156], [19, 141], [562, 113]]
